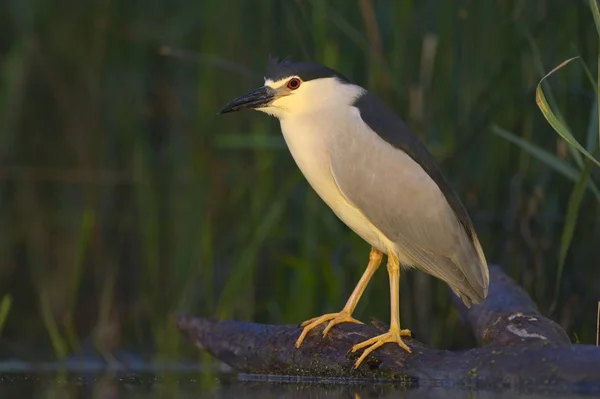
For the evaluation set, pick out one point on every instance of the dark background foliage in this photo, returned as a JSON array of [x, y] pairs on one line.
[[125, 199]]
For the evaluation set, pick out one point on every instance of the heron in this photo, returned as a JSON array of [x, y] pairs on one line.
[[379, 179]]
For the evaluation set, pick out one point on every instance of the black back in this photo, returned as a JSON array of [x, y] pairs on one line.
[[383, 121], [392, 129], [279, 69]]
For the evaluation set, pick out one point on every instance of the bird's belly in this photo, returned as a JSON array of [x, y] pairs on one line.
[[310, 150]]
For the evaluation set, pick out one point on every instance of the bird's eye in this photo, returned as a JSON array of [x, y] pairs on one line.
[[293, 83]]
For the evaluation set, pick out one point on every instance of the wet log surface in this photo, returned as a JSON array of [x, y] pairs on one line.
[[519, 349]]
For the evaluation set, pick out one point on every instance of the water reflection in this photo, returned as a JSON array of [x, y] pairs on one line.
[[225, 386], [247, 389]]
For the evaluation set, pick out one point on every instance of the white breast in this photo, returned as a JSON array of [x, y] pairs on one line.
[[309, 139]]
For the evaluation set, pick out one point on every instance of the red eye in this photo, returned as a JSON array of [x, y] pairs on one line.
[[293, 83]]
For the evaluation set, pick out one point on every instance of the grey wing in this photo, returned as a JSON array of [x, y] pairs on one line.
[[399, 198]]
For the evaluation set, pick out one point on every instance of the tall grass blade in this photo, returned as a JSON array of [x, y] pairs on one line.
[[5, 306], [59, 344], [550, 100], [84, 238], [546, 157], [246, 258], [596, 14], [570, 223], [592, 138], [588, 74], [591, 142], [556, 124]]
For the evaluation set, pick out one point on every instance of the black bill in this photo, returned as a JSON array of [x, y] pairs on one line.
[[257, 98]]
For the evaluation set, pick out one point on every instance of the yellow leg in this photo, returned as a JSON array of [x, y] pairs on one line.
[[345, 316], [395, 334]]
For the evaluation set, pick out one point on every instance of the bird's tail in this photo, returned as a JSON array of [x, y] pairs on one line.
[[474, 267]]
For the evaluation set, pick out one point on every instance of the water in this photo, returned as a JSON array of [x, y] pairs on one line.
[[189, 384]]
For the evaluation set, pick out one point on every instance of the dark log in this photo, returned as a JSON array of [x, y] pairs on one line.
[[508, 317], [521, 349]]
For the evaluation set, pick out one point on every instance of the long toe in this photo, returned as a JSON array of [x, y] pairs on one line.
[[394, 335], [333, 318], [342, 317]]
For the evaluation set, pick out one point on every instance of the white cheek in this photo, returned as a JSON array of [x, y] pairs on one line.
[[293, 102]]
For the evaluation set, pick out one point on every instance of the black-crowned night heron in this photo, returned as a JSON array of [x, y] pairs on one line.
[[378, 178]]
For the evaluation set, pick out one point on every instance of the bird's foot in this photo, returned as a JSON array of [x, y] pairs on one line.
[[333, 318], [394, 335]]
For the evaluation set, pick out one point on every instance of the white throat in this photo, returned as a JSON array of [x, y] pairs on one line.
[[311, 136]]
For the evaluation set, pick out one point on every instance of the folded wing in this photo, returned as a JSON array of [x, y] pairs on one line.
[[402, 200]]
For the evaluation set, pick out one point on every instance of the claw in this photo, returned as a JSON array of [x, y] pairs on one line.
[[394, 335], [333, 318]]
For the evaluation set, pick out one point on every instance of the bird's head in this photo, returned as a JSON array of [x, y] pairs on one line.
[[293, 88]]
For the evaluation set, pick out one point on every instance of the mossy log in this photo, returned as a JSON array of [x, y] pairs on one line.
[[518, 349]]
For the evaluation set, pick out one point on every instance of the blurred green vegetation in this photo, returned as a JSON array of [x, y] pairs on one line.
[[125, 200]]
